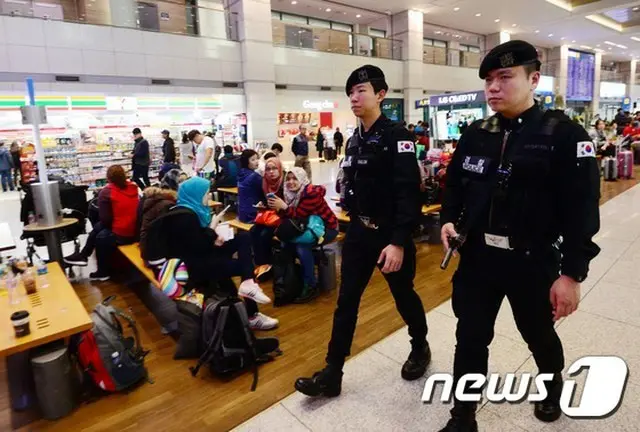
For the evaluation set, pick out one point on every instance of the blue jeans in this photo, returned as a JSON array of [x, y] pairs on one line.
[[261, 241], [305, 253], [7, 181]]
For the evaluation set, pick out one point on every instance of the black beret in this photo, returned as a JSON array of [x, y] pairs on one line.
[[509, 54], [364, 74]]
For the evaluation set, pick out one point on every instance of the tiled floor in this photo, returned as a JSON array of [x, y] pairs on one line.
[[375, 398]]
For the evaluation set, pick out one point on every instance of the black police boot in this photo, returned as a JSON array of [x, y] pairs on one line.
[[549, 409], [463, 418], [327, 382], [416, 364]]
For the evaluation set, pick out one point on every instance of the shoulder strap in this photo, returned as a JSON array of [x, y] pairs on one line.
[[215, 341], [119, 313], [241, 312]]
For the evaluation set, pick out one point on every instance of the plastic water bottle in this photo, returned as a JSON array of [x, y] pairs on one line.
[[12, 289], [42, 271]]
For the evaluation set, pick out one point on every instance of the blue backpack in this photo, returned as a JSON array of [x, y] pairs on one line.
[[314, 232]]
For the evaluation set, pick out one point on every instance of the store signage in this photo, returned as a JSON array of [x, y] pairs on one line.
[[164, 16], [457, 99], [422, 103], [319, 105], [116, 103], [612, 90]]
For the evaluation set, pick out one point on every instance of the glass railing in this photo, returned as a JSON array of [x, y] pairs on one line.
[[450, 57], [614, 76], [334, 41], [160, 16]]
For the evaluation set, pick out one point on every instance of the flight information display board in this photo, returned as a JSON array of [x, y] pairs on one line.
[[580, 76]]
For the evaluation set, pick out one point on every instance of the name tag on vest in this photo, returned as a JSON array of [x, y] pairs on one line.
[[475, 164]]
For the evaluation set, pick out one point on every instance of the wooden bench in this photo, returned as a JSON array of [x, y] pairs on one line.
[[214, 204], [426, 210], [235, 223], [132, 253], [229, 190]]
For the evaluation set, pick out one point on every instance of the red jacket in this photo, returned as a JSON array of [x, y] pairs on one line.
[[312, 202], [119, 209]]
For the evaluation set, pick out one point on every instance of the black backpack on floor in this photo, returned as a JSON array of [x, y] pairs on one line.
[[287, 276], [230, 345]]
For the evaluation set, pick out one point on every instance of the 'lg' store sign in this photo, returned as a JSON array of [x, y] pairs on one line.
[[319, 105]]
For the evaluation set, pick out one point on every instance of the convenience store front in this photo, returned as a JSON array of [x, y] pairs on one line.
[[85, 134]]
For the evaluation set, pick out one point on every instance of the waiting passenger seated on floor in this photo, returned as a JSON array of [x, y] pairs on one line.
[[301, 201], [117, 204], [188, 232]]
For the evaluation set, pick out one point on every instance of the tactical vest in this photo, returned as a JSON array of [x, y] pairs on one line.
[[522, 207]]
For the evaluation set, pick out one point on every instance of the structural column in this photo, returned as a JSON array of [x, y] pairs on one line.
[[559, 57], [597, 77], [408, 27], [258, 70], [495, 39]]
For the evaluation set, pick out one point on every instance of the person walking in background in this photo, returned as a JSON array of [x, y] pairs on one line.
[[141, 160], [17, 172], [338, 140], [187, 155], [320, 144], [205, 163], [300, 149], [6, 165], [277, 149], [168, 148]]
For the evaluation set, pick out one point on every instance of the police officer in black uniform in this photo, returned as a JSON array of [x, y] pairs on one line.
[[522, 189], [382, 196]]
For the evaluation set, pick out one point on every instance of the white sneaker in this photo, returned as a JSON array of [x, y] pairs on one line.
[[262, 322], [251, 290]]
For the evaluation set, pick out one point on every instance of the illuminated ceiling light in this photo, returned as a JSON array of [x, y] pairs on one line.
[[605, 22], [635, 9], [294, 2], [637, 39], [327, 10], [550, 35], [561, 4], [562, 38], [537, 31], [585, 47], [496, 20], [616, 45], [478, 14], [358, 16], [573, 41], [456, 9]]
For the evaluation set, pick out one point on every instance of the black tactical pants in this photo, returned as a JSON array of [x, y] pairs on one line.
[[360, 253], [485, 276]]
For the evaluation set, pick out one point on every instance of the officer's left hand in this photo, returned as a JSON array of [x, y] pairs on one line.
[[564, 296], [392, 257]]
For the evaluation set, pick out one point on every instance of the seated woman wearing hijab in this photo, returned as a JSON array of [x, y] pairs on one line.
[[301, 200], [262, 235], [193, 239]]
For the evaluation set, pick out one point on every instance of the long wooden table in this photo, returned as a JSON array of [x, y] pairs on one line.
[[132, 253], [229, 190], [55, 313]]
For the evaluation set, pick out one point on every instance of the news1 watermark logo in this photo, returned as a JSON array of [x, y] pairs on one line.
[[601, 397]]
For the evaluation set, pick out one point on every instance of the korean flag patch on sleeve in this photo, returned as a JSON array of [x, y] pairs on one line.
[[586, 149], [406, 147]]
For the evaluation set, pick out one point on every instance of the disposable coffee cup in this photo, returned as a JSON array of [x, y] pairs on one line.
[[20, 321]]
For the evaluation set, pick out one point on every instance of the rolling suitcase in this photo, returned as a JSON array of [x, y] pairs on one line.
[[610, 169], [327, 275], [625, 164]]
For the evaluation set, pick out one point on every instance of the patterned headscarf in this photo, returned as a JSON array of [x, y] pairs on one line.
[[172, 179], [293, 198], [270, 186]]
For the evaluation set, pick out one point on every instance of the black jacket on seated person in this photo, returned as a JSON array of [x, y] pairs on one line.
[[187, 240]]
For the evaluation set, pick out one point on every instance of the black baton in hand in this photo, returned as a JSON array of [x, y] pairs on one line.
[[454, 244]]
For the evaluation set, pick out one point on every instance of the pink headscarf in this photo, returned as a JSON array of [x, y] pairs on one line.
[[270, 186]]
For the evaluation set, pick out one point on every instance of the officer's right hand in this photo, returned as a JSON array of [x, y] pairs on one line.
[[448, 230]]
